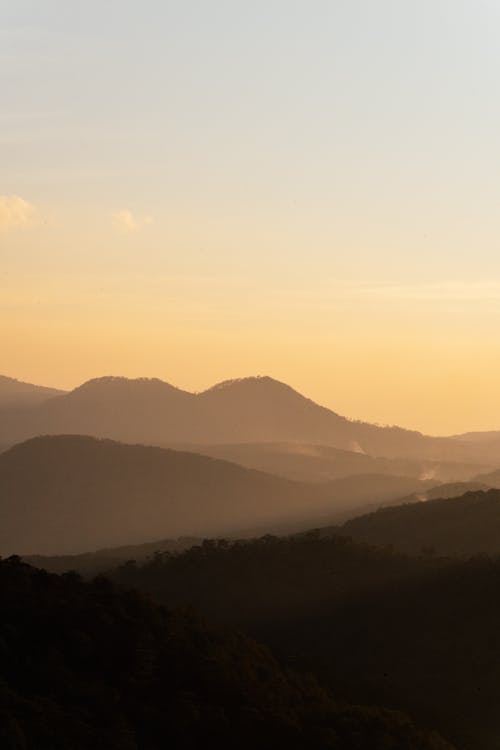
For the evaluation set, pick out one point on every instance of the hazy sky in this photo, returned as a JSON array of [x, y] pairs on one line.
[[203, 190]]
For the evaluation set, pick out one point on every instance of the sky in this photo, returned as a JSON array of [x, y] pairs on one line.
[[305, 189]]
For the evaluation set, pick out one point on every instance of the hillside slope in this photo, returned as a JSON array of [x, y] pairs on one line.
[[459, 526], [244, 411], [16, 393], [68, 494], [420, 634], [321, 463], [87, 667]]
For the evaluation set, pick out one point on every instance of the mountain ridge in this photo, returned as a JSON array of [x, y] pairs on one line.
[[255, 409], [70, 493]]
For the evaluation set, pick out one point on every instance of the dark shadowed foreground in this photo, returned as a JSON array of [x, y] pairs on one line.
[[419, 634], [88, 667]]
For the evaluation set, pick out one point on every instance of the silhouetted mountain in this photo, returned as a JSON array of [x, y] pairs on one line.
[[87, 667], [460, 526], [487, 436], [420, 634], [16, 393], [91, 564], [320, 463], [443, 491], [68, 494], [248, 410], [491, 478]]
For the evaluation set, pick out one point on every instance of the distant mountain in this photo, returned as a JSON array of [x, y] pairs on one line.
[[250, 410], [90, 564], [487, 436], [444, 491], [491, 478], [69, 494], [18, 394], [460, 527], [322, 463]]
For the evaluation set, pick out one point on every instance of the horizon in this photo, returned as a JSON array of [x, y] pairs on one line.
[[209, 386], [310, 191], [249, 374]]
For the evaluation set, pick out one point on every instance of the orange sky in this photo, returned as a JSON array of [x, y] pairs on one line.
[[206, 191]]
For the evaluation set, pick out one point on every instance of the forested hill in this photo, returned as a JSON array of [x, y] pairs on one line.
[[88, 667], [419, 634], [15, 393], [69, 494], [460, 527], [250, 410]]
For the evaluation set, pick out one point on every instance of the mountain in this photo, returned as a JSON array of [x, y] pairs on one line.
[[491, 478], [91, 564], [18, 394], [443, 491], [460, 526], [321, 463], [86, 666], [250, 410], [487, 436], [66, 494]]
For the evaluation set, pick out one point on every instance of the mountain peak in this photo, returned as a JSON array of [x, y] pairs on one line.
[[109, 383], [252, 383]]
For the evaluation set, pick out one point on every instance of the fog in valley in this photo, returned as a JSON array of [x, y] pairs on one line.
[[249, 365]]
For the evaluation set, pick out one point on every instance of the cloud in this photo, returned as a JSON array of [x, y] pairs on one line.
[[15, 212], [125, 221]]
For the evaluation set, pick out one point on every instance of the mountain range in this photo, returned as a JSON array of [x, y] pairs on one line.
[[249, 410], [17, 393], [69, 494]]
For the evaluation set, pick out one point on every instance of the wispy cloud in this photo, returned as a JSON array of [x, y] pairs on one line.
[[15, 213], [126, 221]]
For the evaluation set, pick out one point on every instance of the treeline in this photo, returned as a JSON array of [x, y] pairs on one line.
[[87, 666], [418, 634], [459, 527]]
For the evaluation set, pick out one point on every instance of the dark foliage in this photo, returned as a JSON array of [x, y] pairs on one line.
[[419, 634], [459, 527], [84, 666]]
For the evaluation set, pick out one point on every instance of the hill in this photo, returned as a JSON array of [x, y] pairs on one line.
[[446, 490], [85, 666], [491, 478], [16, 393], [69, 494], [321, 463], [249, 410], [462, 526], [91, 564], [418, 634]]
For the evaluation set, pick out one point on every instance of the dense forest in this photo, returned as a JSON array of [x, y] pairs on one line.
[[89, 667], [460, 527], [417, 634]]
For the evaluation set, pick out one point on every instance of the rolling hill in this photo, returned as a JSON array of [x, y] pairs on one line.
[[416, 633], [87, 666], [69, 494], [458, 527], [250, 410], [16, 393], [322, 463]]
